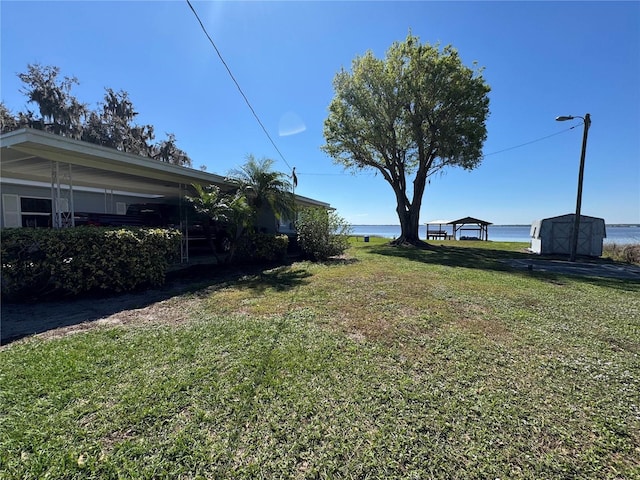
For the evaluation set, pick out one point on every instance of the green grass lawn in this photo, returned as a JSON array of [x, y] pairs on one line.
[[390, 363]]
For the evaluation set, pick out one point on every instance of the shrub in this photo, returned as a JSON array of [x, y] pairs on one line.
[[40, 262], [321, 233], [623, 253], [632, 254], [262, 247]]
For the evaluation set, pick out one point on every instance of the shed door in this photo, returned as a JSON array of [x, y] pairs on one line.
[[584, 238], [11, 211], [561, 237]]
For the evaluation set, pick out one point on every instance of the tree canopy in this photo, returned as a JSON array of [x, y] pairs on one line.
[[414, 113], [58, 108], [111, 125]]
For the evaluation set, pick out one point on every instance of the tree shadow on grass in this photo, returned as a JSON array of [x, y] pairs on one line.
[[597, 271], [283, 277], [337, 261], [19, 320], [279, 279], [466, 257]]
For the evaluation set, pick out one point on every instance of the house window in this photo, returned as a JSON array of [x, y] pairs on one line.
[[35, 212], [285, 225]]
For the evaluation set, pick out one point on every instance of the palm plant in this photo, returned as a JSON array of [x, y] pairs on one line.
[[230, 210], [210, 202], [213, 205], [239, 219], [264, 187]]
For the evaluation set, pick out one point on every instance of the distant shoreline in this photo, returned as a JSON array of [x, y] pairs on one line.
[[615, 233], [631, 225]]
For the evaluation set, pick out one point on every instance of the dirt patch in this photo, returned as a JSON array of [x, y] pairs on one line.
[[58, 318], [170, 304], [173, 311]]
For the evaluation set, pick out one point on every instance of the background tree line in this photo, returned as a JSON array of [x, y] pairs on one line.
[[112, 124]]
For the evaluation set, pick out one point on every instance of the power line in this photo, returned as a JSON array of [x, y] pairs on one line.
[[483, 156], [271, 139], [530, 142], [237, 84]]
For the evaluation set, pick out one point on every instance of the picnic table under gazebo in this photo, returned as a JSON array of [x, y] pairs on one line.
[[436, 231], [439, 229]]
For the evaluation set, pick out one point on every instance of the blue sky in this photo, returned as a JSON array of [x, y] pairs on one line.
[[541, 59]]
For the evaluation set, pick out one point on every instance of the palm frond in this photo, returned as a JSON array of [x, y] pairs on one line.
[[263, 186]]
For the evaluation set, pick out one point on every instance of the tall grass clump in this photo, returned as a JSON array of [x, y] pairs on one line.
[[629, 253]]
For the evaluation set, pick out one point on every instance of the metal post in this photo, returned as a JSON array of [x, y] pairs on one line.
[[62, 206], [576, 223], [184, 225]]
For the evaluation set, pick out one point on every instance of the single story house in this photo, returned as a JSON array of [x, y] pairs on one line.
[[45, 179]]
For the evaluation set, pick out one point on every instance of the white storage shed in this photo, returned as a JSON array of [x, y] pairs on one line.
[[553, 236]]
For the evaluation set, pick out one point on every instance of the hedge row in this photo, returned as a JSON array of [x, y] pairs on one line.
[[43, 262]]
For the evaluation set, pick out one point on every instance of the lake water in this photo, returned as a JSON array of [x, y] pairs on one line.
[[619, 234]]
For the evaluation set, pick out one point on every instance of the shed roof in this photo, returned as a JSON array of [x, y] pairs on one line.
[[571, 217]]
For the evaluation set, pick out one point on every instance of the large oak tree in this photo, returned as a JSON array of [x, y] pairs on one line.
[[408, 117]]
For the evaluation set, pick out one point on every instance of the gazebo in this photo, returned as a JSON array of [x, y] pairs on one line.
[[470, 224]]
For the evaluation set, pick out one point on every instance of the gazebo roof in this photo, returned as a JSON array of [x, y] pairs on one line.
[[469, 220]]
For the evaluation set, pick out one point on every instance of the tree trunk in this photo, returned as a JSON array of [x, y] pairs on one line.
[[210, 241], [409, 216], [409, 226], [409, 211]]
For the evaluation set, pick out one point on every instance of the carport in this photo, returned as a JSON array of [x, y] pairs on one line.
[[36, 158], [64, 163], [63, 167]]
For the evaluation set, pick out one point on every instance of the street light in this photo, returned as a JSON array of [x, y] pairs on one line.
[[576, 223]]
